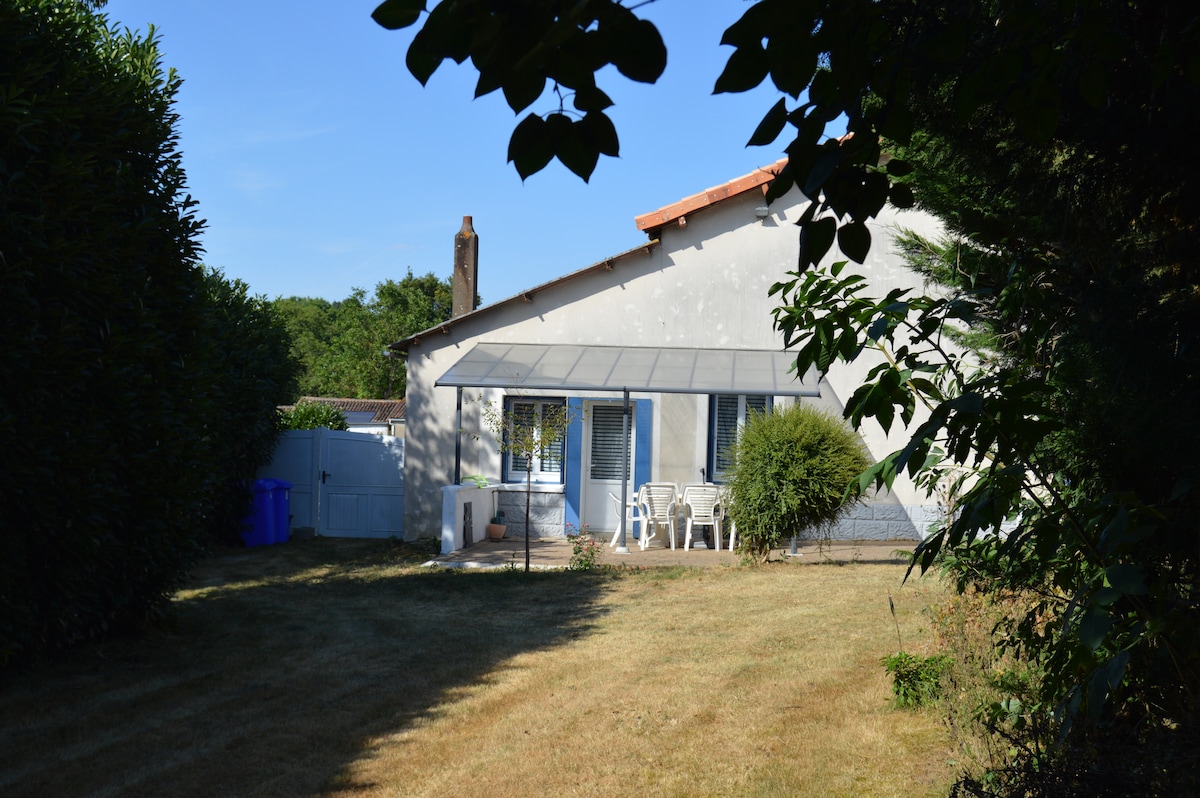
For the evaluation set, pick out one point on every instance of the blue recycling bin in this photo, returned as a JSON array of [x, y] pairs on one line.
[[281, 502], [261, 523]]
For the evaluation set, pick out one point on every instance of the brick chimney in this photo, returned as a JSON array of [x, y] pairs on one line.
[[466, 269]]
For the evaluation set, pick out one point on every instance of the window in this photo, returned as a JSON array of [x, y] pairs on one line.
[[726, 415], [606, 444], [538, 421]]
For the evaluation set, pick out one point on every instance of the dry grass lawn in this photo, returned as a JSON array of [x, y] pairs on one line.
[[338, 668]]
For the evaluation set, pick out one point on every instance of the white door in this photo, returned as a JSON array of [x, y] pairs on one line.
[[361, 485], [602, 448], [295, 460]]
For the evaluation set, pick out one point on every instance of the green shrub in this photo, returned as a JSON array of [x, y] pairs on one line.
[[310, 415], [585, 552], [789, 474], [916, 680]]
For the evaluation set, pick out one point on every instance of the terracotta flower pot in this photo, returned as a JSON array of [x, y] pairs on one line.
[[495, 531]]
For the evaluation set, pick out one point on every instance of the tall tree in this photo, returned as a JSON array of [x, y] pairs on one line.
[[309, 324], [1054, 139], [342, 345]]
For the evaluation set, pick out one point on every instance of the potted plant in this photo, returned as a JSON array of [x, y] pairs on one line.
[[495, 527]]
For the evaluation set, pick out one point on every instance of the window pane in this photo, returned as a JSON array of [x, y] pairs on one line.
[[729, 414], [551, 453], [523, 414], [724, 434], [606, 442], [529, 420], [759, 404], [551, 458]]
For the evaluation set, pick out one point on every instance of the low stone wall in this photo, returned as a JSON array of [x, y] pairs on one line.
[[884, 521], [546, 508]]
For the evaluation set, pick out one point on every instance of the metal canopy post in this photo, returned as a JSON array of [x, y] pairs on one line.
[[621, 547]]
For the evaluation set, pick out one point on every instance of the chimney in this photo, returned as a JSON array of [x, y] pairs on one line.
[[466, 269]]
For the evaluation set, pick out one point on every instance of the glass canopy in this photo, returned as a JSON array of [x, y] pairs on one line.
[[571, 367]]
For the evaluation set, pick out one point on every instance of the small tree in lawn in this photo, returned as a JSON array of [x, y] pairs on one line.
[[789, 474], [525, 430]]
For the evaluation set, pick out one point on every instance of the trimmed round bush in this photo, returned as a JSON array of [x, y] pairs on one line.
[[789, 474]]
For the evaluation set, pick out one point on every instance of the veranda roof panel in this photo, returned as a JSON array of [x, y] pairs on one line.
[[577, 367]]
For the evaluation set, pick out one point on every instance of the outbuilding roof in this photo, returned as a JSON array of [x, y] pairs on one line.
[[382, 410]]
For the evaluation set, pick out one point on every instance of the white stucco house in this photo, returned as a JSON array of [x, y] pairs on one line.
[[680, 324]]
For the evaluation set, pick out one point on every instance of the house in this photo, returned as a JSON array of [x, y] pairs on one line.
[[679, 326], [378, 416]]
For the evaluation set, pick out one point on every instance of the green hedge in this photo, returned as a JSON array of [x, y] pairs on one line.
[[120, 378]]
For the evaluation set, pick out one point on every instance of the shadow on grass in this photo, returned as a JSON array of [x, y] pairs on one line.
[[281, 667]]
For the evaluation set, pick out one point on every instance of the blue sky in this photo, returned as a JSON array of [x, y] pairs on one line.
[[321, 165]]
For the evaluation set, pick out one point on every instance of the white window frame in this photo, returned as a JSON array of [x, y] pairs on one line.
[[745, 404], [549, 463]]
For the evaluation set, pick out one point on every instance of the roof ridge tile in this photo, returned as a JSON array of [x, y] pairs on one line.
[[710, 196]]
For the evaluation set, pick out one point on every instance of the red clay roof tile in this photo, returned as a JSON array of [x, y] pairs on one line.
[[739, 185], [384, 409]]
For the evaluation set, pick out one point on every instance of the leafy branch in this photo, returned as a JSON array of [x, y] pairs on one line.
[[986, 420]]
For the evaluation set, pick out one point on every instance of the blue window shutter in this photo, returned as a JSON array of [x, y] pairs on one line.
[[573, 445], [641, 458]]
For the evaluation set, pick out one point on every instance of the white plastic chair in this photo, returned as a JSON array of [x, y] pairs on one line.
[[659, 503], [702, 507], [632, 516]]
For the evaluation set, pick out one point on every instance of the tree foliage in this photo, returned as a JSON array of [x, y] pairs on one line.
[[521, 49], [341, 345], [133, 386], [788, 477], [309, 322], [1053, 138], [310, 415]]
